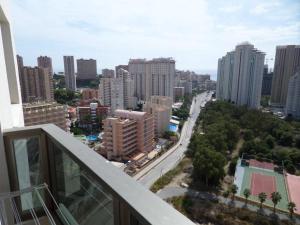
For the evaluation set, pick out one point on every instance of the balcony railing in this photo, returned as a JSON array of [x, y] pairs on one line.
[[55, 179]]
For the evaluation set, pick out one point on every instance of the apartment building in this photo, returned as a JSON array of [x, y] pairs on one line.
[[293, 96], [160, 107], [36, 84], [267, 82], [287, 60], [92, 114], [46, 63], [111, 93], [70, 78], [108, 73], [152, 77], [130, 101], [86, 69], [178, 93], [44, 113], [145, 128], [240, 75]]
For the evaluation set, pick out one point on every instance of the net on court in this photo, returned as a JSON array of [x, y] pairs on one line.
[[263, 165], [262, 183]]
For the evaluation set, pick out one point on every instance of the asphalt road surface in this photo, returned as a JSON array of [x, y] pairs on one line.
[[170, 159]]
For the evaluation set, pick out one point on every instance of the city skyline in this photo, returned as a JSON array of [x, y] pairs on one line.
[[114, 39]]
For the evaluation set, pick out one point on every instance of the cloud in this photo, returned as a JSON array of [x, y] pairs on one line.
[[230, 8], [265, 7]]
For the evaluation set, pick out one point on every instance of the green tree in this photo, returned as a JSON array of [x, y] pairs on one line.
[[297, 142], [247, 194], [248, 135], [233, 190], [226, 194], [276, 197], [270, 141], [286, 139], [209, 166], [262, 198], [291, 207]]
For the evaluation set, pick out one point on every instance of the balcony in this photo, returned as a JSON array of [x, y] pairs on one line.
[[52, 178]]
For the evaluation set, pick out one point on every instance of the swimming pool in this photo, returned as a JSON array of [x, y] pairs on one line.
[[173, 127], [92, 137]]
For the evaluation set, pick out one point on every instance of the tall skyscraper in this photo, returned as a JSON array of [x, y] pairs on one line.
[[130, 101], [111, 93], [153, 77], [37, 84], [124, 67], [287, 60], [86, 69], [240, 75], [46, 63], [293, 96], [70, 78]]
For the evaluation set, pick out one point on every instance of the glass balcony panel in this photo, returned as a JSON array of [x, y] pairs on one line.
[[78, 194]]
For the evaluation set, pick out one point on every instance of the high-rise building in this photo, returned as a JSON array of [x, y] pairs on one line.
[[37, 84], [153, 77], [108, 73], [160, 107], [130, 101], [124, 67], [241, 72], [44, 113], [287, 60], [267, 82], [111, 93], [49, 177], [86, 69], [293, 96], [70, 78], [46, 63]]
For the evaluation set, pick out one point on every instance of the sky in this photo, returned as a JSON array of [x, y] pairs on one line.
[[194, 32]]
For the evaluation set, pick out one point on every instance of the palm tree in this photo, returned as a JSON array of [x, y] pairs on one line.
[[233, 190], [276, 197], [291, 207], [247, 194], [262, 198]]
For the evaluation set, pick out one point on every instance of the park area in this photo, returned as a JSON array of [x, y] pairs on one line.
[[261, 177]]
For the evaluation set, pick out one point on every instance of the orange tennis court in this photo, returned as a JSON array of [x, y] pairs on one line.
[[262, 183]]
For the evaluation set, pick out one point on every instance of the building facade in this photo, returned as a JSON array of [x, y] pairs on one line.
[[89, 94], [130, 101], [86, 69], [178, 93], [293, 96], [287, 59], [160, 107], [70, 78], [45, 112], [111, 93], [36, 84], [152, 77], [46, 63], [267, 82], [240, 80], [145, 128], [108, 73]]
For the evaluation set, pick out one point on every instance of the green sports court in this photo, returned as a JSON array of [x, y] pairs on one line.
[[259, 179]]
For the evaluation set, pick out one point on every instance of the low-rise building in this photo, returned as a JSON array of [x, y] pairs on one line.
[[89, 93], [178, 93], [45, 112], [128, 132]]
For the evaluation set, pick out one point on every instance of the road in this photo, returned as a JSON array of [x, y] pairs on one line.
[[170, 159], [169, 192]]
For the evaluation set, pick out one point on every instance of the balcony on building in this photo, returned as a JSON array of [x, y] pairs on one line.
[[52, 178]]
